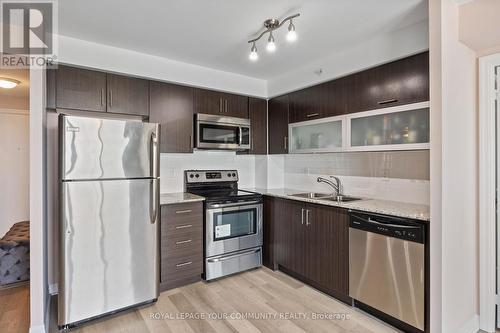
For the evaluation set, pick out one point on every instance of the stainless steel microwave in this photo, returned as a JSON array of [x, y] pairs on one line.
[[219, 132]]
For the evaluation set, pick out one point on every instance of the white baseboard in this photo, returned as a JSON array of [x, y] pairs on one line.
[[53, 289], [37, 329], [470, 326]]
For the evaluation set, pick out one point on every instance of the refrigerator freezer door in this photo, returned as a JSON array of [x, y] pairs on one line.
[[95, 148], [108, 246]]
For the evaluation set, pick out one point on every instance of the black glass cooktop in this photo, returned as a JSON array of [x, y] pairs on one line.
[[224, 194]]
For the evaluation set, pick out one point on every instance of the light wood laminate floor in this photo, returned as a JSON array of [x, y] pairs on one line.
[[283, 304], [15, 309]]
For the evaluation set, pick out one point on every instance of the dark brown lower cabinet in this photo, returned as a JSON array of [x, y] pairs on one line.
[[311, 243], [328, 247], [181, 244], [271, 209]]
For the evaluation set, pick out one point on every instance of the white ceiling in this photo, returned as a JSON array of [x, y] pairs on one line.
[[214, 33]]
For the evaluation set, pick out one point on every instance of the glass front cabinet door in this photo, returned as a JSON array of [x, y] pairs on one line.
[[322, 135], [400, 128]]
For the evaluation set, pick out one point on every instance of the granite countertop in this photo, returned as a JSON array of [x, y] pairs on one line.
[[180, 197], [394, 208]]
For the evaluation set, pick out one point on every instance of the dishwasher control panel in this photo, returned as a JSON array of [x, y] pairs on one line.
[[389, 226]]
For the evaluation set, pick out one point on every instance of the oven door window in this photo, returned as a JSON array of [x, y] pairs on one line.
[[235, 223], [210, 133]]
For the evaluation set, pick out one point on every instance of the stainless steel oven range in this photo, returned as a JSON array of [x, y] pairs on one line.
[[233, 222]]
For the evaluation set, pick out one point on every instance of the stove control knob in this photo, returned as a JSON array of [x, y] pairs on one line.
[[191, 176], [234, 175], [197, 176], [229, 175]]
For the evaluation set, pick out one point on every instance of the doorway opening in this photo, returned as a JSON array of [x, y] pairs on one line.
[[14, 199]]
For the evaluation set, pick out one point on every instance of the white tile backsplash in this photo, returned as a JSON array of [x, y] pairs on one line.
[[172, 167], [394, 189], [279, 171]]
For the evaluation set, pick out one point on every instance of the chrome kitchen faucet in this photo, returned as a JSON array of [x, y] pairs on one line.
[[337, 186]]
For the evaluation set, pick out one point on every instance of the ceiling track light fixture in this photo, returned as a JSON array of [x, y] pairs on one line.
[[271, 25]]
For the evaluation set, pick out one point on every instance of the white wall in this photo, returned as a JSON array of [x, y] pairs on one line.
[[457, 191], [435, 166], [382, 49], [14, 168], [38, 202]]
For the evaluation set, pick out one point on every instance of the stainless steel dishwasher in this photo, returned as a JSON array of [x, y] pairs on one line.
[[387, 268]]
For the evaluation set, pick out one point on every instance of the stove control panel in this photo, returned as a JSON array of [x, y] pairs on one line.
[[211, 176]]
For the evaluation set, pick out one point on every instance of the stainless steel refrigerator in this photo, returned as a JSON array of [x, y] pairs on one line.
[[109, 222]]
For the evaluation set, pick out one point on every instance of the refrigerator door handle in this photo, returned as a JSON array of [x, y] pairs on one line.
[[154, 155], [154, 204]]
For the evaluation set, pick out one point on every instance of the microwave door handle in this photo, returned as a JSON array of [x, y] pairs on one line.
[[241, 136]]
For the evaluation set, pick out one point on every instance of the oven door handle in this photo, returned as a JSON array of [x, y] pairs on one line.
[[222, 258], [234, 204]]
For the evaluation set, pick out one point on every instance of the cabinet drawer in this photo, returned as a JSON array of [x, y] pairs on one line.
[[182, 267], [182, 216], [184, 244]]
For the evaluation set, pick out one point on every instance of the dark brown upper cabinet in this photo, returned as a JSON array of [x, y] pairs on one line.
[[278, 125], [220, 103], [310, 103], [324, 100], [88, 90], [127, 95], [257, 112], [80, 89], [171, 105], [400, 82]]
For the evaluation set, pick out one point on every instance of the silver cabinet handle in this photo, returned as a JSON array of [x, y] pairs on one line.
[[190, 141], [387, 101], [184, 264], [285, 139], [102, 97], [183, 211], [312, 115], [110, 97], [307, 217], [220, 105], [184, 226], [302, 216], [184, 241], [225, 105]]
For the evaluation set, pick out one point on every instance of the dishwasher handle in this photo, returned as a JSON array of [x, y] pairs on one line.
[[389, 226]]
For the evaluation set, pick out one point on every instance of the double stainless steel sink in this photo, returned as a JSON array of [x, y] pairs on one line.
[[325, 196]]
